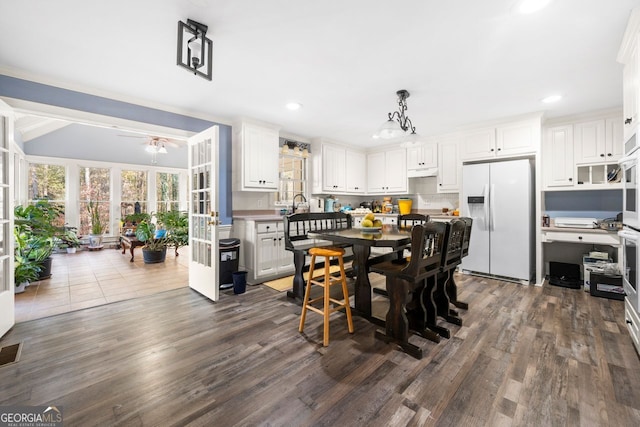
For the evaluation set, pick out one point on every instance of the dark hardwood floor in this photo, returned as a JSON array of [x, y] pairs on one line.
[[525, 356]]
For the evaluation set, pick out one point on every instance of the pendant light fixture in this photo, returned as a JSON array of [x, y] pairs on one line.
[[194, 49], [398, 124]]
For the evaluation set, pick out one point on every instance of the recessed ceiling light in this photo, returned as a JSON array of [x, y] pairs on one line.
[[552, 98], [530, 6], [294, 106]]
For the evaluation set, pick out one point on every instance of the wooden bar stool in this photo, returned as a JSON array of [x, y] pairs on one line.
[[328, 280]]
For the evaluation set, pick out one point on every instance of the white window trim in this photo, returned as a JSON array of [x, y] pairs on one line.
[[72, 197]]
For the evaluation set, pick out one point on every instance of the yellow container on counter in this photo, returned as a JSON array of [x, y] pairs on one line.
[[404, 206]]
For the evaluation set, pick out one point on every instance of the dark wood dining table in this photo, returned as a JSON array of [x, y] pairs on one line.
[[362, 240]]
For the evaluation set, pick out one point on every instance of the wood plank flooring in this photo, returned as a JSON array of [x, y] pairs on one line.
[[525, 356]]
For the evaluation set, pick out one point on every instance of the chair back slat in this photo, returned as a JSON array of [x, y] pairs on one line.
[[427, 250], [453, 244], [298, 226]]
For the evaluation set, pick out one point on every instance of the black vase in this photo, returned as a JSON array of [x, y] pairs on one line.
[[153, 257]]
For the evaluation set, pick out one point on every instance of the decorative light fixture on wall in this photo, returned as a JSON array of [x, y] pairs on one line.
[[398, 124], [194, 49], [295, 148]]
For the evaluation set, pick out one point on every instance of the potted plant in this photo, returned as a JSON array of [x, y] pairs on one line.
[[35, 230], [177, 225], [154, 249], [97, 226], [69, 240], [25, 271]]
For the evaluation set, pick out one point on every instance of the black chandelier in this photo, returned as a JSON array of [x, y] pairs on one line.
[[194, 49], [398, 123]]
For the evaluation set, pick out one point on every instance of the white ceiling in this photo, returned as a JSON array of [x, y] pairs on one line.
[[463, 61]]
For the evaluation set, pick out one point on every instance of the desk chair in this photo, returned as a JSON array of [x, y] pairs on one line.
[[326, 283], [405, 283]]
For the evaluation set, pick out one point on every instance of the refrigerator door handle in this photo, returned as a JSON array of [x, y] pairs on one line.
[[492, 207], [485, 194]]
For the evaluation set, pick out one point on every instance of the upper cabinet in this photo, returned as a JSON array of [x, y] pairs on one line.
[[449, 165], [505, 140], [339, 170], [629, 56], [583, 154], [387, 172], [598, 141], [258, 160], [422, 156]]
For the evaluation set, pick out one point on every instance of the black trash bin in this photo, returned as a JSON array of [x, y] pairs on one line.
[[229, 259]]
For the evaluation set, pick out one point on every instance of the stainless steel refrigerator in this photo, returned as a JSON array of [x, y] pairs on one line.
[[499, 197]]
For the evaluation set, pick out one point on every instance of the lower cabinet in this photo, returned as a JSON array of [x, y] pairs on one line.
[[264, 254]]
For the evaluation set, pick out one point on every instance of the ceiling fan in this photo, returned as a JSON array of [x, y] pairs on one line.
[[155, 145]]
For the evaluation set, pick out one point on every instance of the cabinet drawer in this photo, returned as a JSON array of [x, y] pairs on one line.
[[603, 239], [268, 227]]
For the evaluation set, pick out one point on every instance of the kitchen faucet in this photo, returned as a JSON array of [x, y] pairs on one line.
[[293, 201]]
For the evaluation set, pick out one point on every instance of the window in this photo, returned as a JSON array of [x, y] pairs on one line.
[[134, 189], [167, 191], [293, 173], [48, 182], [95, 185]]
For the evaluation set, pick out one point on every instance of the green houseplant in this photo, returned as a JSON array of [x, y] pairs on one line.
[[97, 226], [35, 231], [69, 240], [177, 225], [25, 271], [154, 249]]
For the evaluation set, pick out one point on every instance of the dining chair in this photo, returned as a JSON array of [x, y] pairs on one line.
[[409, 220], [451, 285], [405, 283]]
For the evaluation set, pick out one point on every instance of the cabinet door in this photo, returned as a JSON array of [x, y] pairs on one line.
[[266, 254], [356, 169], [589, 142], [630, 93], [557, 157], [284, 257], [333, 168], [395, 171], [479, 144], [449, 167], [517, 138], [414, 157], [376, 172], [260, 158], [429, 155], [614, 139]]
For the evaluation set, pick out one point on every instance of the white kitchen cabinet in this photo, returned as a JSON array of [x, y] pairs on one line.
[[598, 141], [339, 170], [631, 88], [259, 153], [356, 172], [421, 156], [264, 253], [387, 172], [557, 157], [333, 168], [506, 140], [449, 166]]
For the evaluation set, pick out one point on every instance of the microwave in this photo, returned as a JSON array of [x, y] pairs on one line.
[[630, 198]]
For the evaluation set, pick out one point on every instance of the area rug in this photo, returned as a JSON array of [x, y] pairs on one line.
[[286, 283]]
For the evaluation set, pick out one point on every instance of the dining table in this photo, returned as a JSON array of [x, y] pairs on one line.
[[362, 240]]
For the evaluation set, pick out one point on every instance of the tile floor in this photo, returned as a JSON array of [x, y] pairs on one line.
[[87, 279]]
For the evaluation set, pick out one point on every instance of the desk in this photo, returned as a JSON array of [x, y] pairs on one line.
[[130, 241], [390, 236]]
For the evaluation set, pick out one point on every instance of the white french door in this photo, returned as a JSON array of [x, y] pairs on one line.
[[7, 296], [204, 213]]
